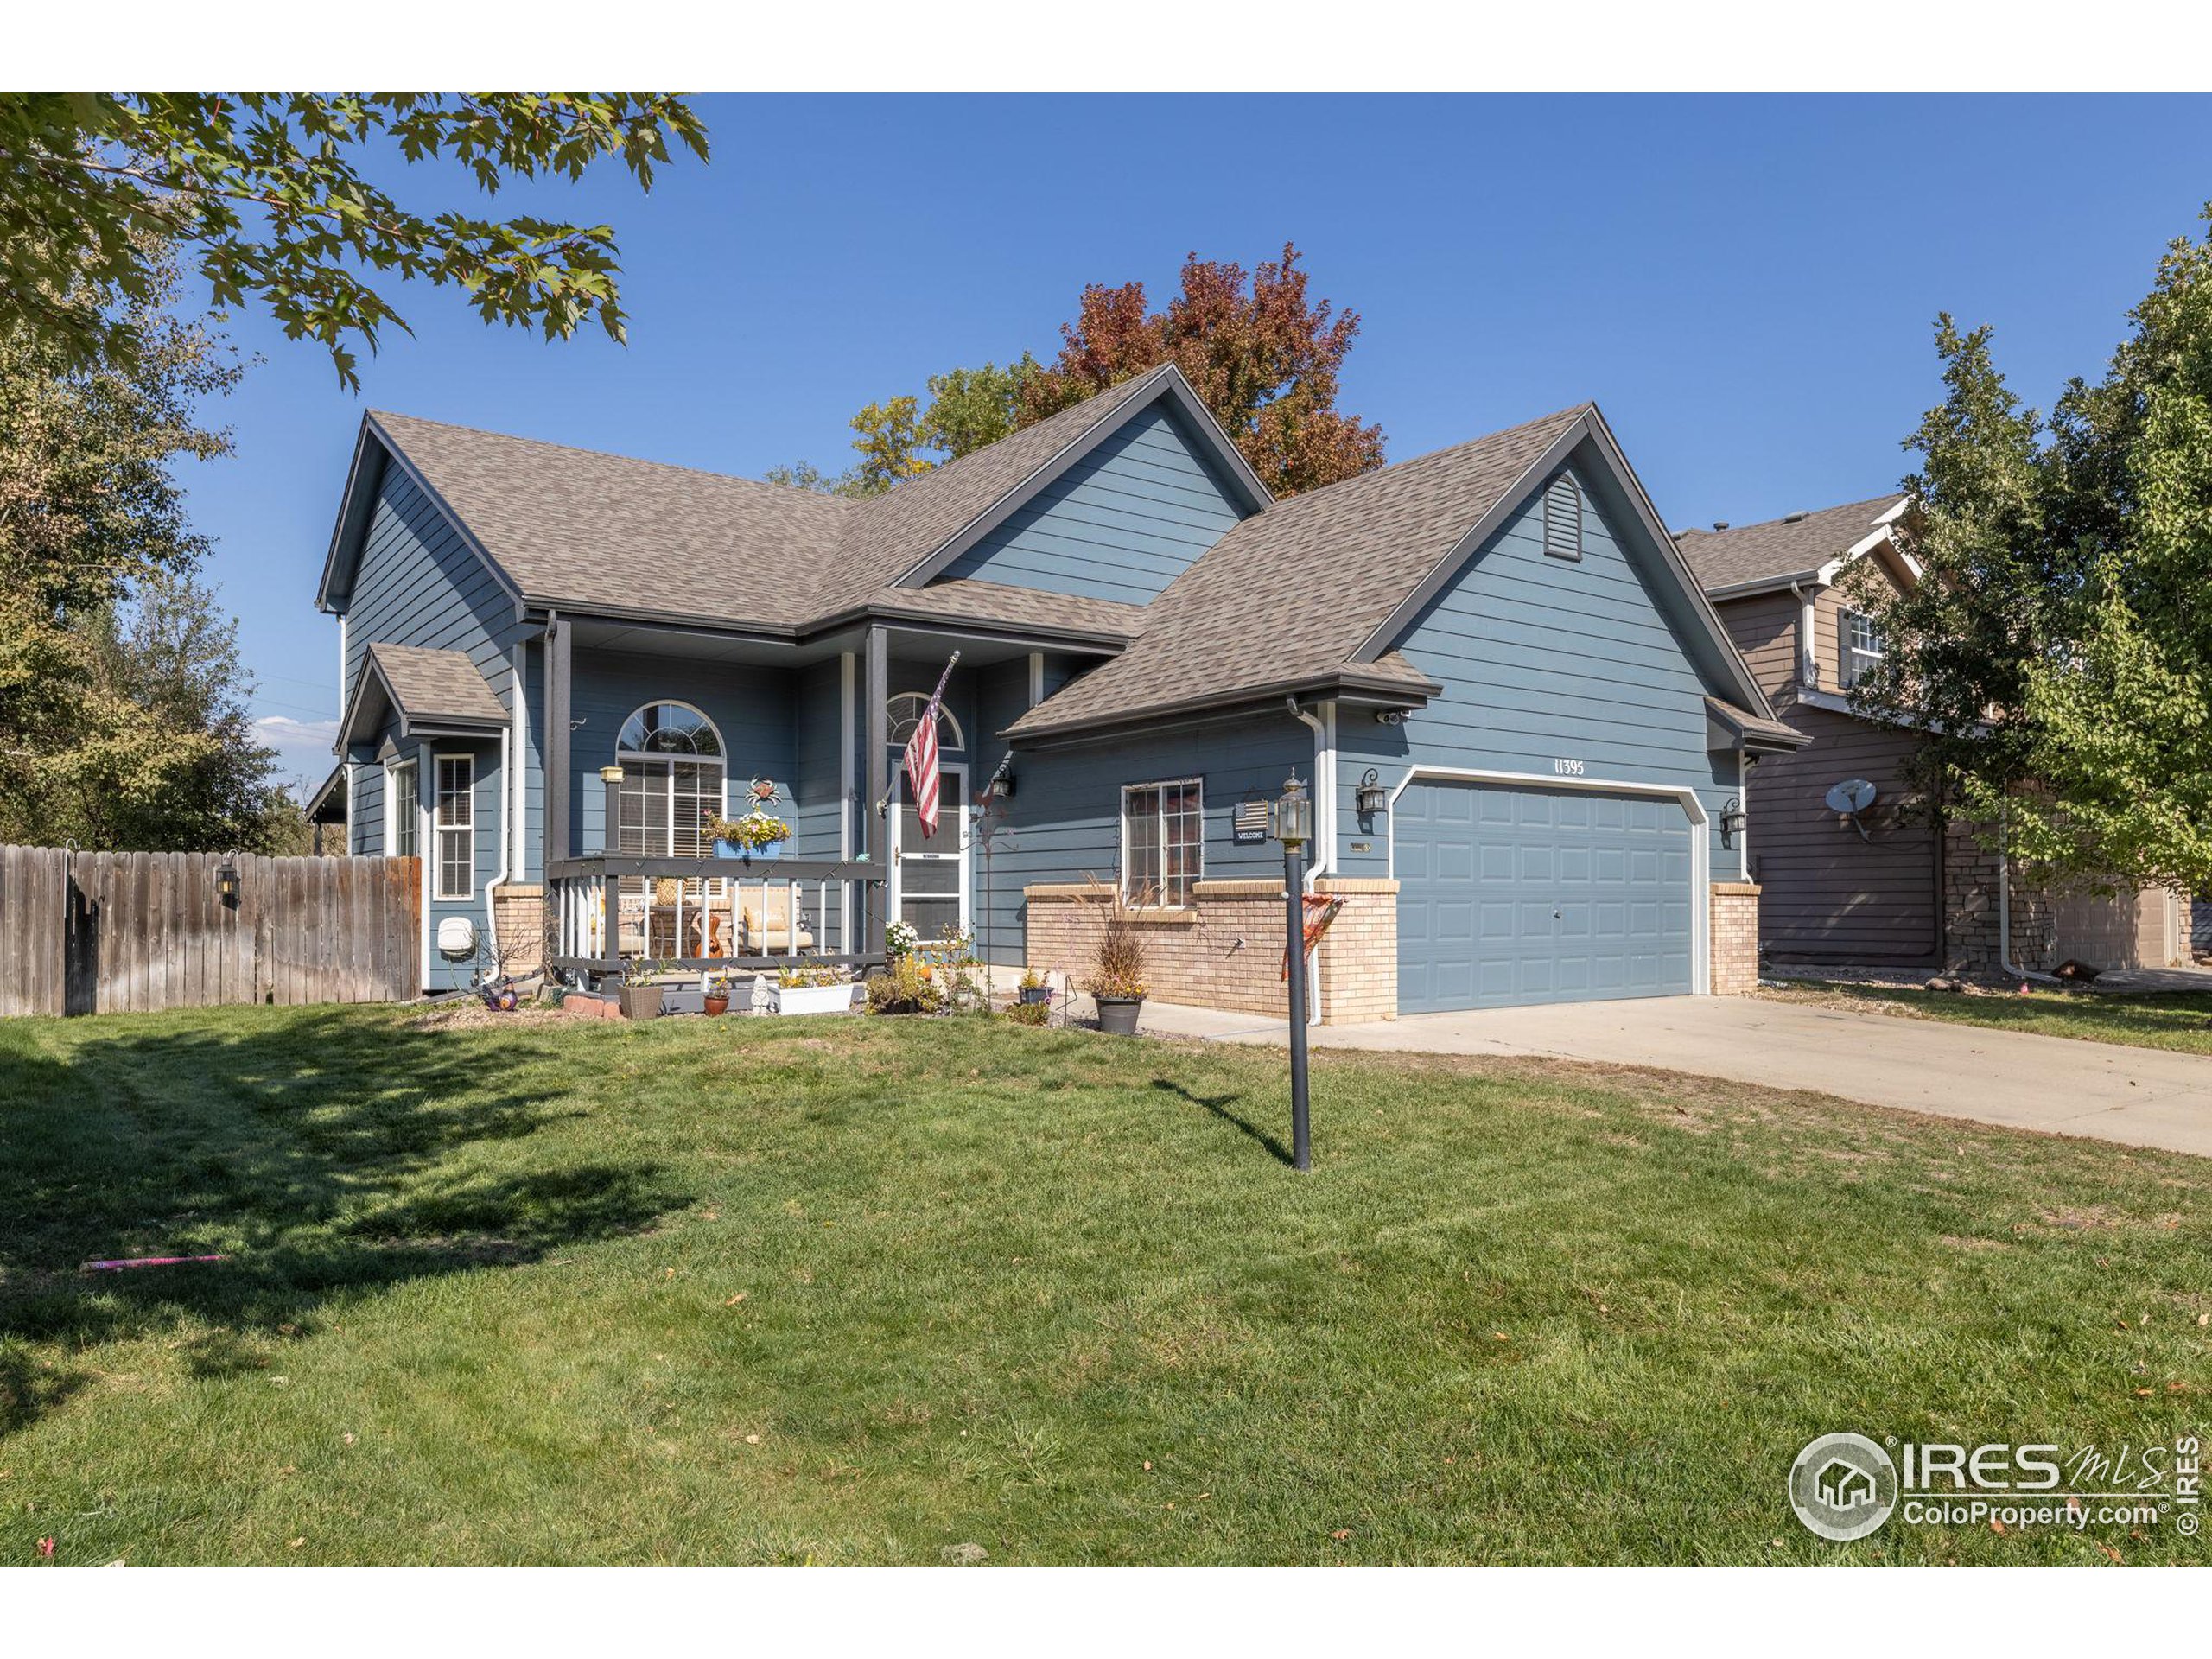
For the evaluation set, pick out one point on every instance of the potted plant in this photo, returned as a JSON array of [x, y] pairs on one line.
[[1033, 988], [899, 939], [716, 1000], [641, 991], [1117, 980], [758, 833], [811, 987]]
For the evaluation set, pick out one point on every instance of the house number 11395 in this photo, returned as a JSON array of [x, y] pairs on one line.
[[1567, 768]]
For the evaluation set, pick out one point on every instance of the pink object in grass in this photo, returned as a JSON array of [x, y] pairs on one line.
[[147, 1262]]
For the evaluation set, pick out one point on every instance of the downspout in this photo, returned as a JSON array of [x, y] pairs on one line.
[[506, 834], [1808, 659]]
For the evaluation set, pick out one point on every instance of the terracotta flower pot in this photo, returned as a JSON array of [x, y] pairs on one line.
[[717, 1004]]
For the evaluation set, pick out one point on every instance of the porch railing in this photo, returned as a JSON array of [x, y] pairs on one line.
[[702, 914]]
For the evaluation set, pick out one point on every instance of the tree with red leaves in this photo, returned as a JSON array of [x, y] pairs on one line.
[[1264, 358]]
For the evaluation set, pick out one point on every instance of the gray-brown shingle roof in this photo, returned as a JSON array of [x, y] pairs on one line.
[[579, 528], [1291, 593], [1780, 550], [428, 684]]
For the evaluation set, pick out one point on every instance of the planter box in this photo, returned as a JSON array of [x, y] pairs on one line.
[[641, 1001], [1036, 994], [772, 851], [810, 998]]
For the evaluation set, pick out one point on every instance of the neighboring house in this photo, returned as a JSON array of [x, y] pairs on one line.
[[1522, 719], [1893, 885]]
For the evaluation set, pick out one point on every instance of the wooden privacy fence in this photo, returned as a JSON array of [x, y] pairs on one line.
[[136, 932]]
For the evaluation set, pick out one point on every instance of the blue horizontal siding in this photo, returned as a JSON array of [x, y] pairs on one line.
[[1543, 659], [1121, 523], [417, 583], [1064, 824]]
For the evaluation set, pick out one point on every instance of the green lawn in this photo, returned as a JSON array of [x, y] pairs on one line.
[[861, 1291], [2179, 1021]]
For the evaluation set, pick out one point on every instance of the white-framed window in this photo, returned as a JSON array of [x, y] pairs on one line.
[[1163, 841], [671, 759], [1863, 646], [457, 826], [403, 810]]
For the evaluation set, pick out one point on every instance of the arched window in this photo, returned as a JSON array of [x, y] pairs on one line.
[[904, 712], [671, 759], [669, 729]]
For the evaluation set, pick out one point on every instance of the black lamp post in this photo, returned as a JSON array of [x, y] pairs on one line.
[[1293, 829]]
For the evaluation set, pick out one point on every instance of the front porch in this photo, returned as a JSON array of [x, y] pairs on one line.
[[701, 915], [649, 731]]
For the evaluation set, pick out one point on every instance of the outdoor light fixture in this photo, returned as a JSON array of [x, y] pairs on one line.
[[1372, 797], [226, 879], [1294, 817], [1732, 821]]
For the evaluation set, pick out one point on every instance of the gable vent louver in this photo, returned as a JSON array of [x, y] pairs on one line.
[[1563, 519]]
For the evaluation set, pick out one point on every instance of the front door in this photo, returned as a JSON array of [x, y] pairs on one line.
[[929, 880]]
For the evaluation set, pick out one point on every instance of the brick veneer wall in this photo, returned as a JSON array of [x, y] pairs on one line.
[[1357, 958], [1225, 949], [518, 917], [1735, 938]]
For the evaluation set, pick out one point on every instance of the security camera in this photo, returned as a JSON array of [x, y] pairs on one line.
[[1391, 716]]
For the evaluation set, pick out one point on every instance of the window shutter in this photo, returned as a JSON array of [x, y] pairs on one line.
[[1846, 666], [1563, 519]]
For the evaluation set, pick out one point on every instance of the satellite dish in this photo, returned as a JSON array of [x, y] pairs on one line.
[[1851, 797]]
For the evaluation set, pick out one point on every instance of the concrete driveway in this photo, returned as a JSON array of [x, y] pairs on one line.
[[2138, 1097]]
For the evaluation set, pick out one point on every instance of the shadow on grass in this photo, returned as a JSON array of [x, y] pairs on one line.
[[322, 1153], [1219, 1105]]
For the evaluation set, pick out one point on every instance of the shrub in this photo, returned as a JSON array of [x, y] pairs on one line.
[[1030, 1013], [907, 986]]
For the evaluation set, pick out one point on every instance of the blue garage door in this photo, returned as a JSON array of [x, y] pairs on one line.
[[1511, 895]]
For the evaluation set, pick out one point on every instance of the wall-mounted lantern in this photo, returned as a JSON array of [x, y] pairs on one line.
[[1371, 798], [226, 879], [1732, 821]]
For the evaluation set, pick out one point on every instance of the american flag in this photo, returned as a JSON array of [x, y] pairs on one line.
[[921, 758]]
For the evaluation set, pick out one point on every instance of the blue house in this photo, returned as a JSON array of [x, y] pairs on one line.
[[1525, 728]]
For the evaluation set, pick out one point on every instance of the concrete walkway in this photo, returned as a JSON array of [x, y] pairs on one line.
[[2138, 1097]]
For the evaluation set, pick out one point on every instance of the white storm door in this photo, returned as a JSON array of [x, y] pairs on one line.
[[929, 878]]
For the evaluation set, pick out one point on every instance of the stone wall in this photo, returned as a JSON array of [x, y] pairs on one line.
[[1224, 951], [1734, 938], [1971, 939]]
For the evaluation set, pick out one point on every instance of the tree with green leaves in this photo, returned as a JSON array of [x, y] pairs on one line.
[[123, 721], [2058, 650], [267, 193]]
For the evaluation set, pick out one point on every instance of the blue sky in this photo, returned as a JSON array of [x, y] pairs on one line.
[[1745, 285]]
